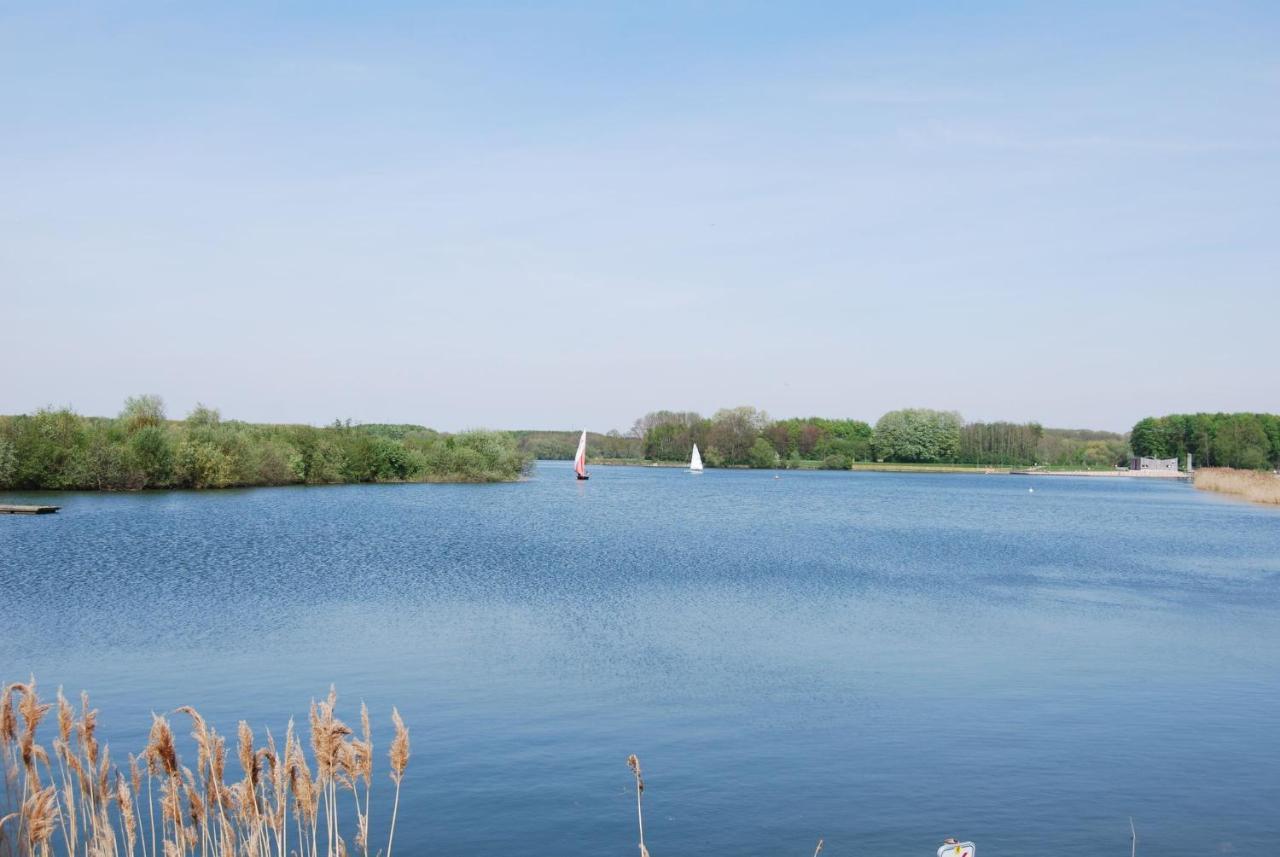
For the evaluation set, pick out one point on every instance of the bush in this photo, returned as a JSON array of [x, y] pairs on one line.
[[762, 454], [8, 463], [151, 456], [202, 465], [60, 449]]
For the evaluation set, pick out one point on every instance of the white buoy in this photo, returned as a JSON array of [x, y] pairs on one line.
[[1031, 490]]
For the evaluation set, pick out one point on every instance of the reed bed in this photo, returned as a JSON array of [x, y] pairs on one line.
[[71, 799], [1258, 486]]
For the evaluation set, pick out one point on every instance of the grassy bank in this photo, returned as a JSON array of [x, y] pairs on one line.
[[142, 448], [1255, 485], [889, 467]]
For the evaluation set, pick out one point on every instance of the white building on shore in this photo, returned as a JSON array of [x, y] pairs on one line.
[[1153, 464]]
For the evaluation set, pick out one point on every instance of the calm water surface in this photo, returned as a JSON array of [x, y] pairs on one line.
[[882, 660]]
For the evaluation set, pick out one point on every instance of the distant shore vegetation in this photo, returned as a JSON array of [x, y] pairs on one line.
[[142, 448], [1244, 441], [748, 437]]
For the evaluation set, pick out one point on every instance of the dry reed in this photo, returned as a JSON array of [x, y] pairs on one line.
[[634, 764], [1255, 485], [399, 756], [74, 801]]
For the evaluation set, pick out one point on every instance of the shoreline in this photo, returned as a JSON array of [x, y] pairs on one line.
[[904, 467], [1112, 474]]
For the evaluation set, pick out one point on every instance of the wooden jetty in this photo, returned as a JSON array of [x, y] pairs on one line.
[[27, 510]]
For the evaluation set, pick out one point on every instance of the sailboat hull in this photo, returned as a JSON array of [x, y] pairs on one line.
[[583, 478]]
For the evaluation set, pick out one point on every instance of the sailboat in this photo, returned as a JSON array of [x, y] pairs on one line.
[[695, 462], [580, 460]]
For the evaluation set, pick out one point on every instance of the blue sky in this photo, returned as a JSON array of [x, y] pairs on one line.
[[568, 214]]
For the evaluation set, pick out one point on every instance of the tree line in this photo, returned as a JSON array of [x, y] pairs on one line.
[[561, 445], [746, 436], [1241, 440], [142, 448]]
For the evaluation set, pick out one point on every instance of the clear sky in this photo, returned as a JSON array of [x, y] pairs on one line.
[[567, 214]]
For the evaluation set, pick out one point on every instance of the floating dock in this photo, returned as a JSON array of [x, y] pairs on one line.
[[28, 510]]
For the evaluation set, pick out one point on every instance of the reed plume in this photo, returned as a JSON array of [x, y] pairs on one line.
[[161, 753], [66, 718], [32, 712], [88, 727], [40, 815], [124, 799], [8, 719], [399, 755], [95, 809]]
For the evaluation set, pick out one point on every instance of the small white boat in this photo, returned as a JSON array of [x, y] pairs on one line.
[[695, 461], [580, 459]]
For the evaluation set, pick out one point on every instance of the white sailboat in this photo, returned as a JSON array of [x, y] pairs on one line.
[[580, 459], [695, 461]]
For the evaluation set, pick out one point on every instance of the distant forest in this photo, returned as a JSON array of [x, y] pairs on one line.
[[746, 436], [142, 448], [561, 445], [1242, 440]]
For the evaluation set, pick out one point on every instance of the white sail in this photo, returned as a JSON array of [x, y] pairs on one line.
[[580, 459], [695, 462]]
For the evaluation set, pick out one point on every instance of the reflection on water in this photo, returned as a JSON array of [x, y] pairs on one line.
[[879, 659]]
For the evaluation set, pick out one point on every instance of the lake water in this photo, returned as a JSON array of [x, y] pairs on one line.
[[882, 660]]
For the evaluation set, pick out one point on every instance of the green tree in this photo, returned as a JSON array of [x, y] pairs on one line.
[[150, 456], [1000, 443], [201, 464], [1240, 441], [142, 411], [918, 434], [762, 454], [203, 417], [1147, 439], [49, 446], [8, 463], [670, 435], [734, 431]]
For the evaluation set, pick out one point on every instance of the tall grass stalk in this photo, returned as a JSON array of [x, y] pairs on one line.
[[399, 756], [634, 764], [71, 800]]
